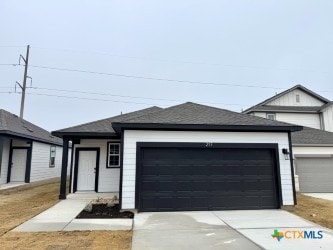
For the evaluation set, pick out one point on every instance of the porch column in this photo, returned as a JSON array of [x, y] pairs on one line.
[[62, 195]]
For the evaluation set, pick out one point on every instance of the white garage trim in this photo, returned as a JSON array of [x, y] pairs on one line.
[[131, 137]]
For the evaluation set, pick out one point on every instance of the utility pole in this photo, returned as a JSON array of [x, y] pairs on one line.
[[23, 88]]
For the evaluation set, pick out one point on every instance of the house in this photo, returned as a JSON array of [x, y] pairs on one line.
[[28, 153], [185, 157], [313, 146], [297, 105]]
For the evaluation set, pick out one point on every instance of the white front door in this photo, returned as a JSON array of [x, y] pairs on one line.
[[86, 170], [19, 164]]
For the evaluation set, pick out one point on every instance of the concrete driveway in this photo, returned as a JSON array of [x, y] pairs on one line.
[[325, 196], [225, 230], [185, 230]]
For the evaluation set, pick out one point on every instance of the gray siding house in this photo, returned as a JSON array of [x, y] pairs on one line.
[[28, 153], [185, 157], [312, 147]]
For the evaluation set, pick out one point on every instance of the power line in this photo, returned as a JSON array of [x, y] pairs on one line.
[[153, 78], [92, 99], [127, 96], [9, 92], [103, 100], [156, 79], [8, 64], [178, 61], [11, 46]]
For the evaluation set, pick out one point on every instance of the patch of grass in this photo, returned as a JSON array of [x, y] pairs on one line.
[[68, 240], [17, 205], [319, 211]]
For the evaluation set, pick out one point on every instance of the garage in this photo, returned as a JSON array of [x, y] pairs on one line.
[[200, 176], [315, 174]]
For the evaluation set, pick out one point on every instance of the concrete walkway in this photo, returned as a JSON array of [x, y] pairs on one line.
[[11, 185], [242, 229], [325, 196], [61, 217]]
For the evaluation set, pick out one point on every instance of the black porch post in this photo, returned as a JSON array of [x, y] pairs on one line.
[[62, 195]]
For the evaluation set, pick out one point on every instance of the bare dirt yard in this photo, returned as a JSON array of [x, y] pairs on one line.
[[19, 204], [319, 211]]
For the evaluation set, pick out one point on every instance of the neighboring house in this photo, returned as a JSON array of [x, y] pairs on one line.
[[312, 147], [297, 105], [186, 157], [28, 153]]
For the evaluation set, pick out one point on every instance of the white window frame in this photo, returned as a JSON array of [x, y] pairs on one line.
[[109, 155], [55, 153], [271, 114], [298, 98]]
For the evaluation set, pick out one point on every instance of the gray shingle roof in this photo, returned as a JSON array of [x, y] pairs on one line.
[[197, 114], [311, 136], [288, 108], [104, 126], [11, 124]]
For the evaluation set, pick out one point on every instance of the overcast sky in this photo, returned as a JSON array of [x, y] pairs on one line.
[[124, 47]]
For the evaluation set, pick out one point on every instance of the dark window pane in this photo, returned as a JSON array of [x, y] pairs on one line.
[[114, 160], [114, 148], [52, 161]]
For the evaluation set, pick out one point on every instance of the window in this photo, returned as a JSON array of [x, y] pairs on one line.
[[297, 98], [270, 116], [113, 155], [53, 150]]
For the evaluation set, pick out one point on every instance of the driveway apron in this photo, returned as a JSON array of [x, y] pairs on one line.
[[185, 230]]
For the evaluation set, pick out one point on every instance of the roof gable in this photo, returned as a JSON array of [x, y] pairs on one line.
[[308, 98], [13, 125], [289, 99]]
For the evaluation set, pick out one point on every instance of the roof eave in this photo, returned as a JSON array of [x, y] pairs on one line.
[[88, 135], [283, 111], [18, 135], [118, 127]]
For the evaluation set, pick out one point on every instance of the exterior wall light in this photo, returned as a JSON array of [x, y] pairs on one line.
[[286, 153]]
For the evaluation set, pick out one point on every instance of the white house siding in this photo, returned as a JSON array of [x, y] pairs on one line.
[[308, 120], [312, 151], [131, 137], [108, 180], [5, 159], [260, 114], [328, 118], [289, 99], [40, 162]]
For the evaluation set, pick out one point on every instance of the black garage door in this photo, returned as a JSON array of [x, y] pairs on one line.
[[201, 178]]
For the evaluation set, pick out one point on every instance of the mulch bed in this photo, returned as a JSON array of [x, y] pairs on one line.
[[102, 211]]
